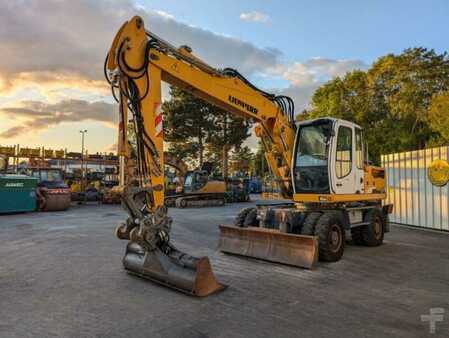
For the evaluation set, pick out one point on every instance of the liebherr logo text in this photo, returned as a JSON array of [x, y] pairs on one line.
[[13, 185], [242, 104]]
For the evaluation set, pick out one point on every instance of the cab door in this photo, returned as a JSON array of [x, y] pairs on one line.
[[359, 161], [342, 166]]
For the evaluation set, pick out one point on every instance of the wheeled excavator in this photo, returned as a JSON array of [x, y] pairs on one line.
[[321, 167]]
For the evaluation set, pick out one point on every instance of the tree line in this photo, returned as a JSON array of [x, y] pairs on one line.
[[401, 101]]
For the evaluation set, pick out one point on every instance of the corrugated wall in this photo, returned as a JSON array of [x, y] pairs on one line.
[[416, 200]]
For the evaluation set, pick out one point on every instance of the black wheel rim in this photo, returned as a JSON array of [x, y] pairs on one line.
[[335, 238], [377, 228]]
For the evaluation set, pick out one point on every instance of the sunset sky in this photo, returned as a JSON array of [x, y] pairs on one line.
[[51, 67]]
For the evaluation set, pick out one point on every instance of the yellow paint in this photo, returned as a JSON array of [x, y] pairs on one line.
[[213, 187], [336, 198], [438, 172]]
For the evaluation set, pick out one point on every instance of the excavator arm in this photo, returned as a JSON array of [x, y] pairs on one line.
[[136, 64]]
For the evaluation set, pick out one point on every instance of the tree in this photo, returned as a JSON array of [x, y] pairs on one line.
[[230, 131], [242, 160], [439, 117], [260, 163], [391, 100], [200, 131], [190, 123]]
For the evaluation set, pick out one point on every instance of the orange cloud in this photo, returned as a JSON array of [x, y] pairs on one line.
[[36, 115]]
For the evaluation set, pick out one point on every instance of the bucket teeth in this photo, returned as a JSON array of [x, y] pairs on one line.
[[269, 244], [174, 269]]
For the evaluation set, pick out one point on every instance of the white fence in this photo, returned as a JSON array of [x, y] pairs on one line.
[[416, 200]]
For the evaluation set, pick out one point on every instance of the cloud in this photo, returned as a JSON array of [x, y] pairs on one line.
[[45, 46], [305, 77], [255, 16], [48, 49], [47, 38], [112, 148], [165, 15], [36, 115]]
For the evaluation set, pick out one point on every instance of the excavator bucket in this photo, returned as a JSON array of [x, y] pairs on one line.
[[173, 268], [270, 245]]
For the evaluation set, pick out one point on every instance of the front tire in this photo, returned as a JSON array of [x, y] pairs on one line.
[[308, 227], [241, 217], [331, 237], [251, 219]]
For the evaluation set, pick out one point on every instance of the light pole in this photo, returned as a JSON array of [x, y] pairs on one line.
[[82, 158]]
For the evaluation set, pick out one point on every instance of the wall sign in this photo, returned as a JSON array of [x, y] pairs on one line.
[[438, 173]]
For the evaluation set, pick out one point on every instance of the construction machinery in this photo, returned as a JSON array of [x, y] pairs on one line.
[[320, 165], [199, 190], [53, 194], [17, 192]]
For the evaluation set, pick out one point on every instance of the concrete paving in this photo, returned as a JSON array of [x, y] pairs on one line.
[[61, 276]]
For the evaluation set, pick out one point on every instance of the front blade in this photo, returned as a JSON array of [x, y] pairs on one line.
[[176, 270], [269, 244]]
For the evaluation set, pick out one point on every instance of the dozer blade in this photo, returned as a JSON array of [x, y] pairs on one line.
[[175, 269], [271, 245]]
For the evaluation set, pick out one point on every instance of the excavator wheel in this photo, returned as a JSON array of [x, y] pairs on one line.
[[308, 227], [241, 217], [373, 233], [251, 219], [331, 236]]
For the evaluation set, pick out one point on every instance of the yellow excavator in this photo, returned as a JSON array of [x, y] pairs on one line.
[[321, 166], [199, 189]]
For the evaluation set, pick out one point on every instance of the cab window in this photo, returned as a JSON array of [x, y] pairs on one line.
[[343, 162]]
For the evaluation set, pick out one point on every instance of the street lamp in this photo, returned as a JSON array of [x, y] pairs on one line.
[[82, 158]]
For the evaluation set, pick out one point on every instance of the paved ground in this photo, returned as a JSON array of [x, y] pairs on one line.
[[61, 275]]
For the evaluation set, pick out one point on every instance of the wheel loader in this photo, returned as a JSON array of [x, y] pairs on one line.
[[321, 167]]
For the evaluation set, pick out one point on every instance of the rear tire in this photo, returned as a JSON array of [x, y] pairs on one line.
[[308, 227], [331, 237], [373, 233]]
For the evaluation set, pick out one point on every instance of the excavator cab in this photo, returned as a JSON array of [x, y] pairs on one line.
[[328, 157], [195, 180], [199, 189]]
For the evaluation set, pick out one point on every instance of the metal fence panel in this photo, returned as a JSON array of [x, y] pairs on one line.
[[417, 201]]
